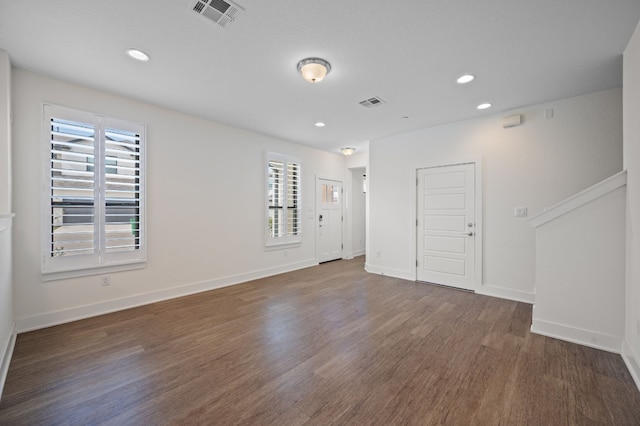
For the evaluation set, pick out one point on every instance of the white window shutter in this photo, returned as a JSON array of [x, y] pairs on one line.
[[93, 205], [283, 196]]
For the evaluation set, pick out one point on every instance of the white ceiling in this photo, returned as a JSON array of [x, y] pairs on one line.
[[408, 52]]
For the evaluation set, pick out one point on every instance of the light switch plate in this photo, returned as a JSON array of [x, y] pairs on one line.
[[520, 212]]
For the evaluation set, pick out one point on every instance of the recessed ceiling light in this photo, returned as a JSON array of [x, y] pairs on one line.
[[320, 124], [484, 106], [138, 55], [467, 78]]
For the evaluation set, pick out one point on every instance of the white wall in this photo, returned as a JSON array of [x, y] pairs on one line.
[[580, 262], [5, 133], [7, 332], [534, 165], [631, 348], [6, 288], [205, 206]]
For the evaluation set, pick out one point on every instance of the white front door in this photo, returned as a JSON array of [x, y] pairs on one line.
[[446, 225], [329, 220]]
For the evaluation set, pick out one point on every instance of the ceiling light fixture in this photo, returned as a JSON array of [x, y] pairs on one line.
[[484, 106], [347, 150], [138, 55], [464, 79], [314, 70], [320, 124]]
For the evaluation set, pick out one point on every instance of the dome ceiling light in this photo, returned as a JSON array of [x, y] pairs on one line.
[[314, 70]]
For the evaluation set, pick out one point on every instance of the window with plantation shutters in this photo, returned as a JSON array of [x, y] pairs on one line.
[[283, 212], [93, 209]]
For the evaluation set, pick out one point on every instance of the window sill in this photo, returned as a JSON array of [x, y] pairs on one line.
[[98, 270], [282, 246]]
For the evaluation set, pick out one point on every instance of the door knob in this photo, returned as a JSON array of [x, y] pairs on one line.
[[469, 233]]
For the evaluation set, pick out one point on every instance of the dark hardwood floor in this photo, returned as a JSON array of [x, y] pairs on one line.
[[325, 345]]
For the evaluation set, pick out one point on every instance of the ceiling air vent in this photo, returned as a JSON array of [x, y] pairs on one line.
[[372, 102], [219, 11]]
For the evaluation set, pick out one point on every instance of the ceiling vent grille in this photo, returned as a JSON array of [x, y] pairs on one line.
[[372, 102], [219, 11]]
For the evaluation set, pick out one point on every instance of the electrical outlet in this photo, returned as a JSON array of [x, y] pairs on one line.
[[378, 253], [106, 280]]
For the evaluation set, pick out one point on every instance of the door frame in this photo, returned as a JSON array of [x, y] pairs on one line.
[[477, 161], [316, 220]]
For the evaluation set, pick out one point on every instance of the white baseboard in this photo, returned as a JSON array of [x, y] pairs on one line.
[[7, 352], [507, 293], [86, 311], [354, 254], [395, 273], [486, 290], [580, 336], [632, 362]]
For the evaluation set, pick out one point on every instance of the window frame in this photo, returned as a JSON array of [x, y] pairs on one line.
[[286, 239], [99, 260]]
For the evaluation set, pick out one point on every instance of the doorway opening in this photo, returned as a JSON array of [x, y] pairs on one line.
[[357, 208]]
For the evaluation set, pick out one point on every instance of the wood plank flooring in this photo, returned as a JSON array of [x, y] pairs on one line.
[[325, 345]]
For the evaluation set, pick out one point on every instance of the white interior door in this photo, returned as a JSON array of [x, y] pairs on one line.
[[329, 220], [446, 225]]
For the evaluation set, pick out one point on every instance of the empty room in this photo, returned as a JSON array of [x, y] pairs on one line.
[[227, 212]]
